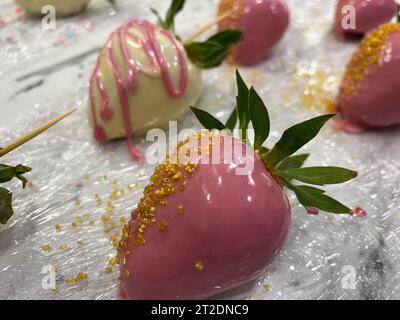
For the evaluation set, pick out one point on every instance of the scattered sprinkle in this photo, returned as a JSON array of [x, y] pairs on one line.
[[199, 266]]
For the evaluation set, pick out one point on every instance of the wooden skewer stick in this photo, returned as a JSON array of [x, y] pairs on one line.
[[206, 27], [33, 134]]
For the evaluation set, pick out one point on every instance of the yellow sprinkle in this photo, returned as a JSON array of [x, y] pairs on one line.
[[106, 230], [199, 266], [80, 276], [91, 223], [79, 242], [74, 225], [54, 290], [123, 220], [266, 287], [109, 269], [64, 246], [86, 215], [98, 198], [58, 227], [46, 248], [78, 201], [163, 225], [132, 186]]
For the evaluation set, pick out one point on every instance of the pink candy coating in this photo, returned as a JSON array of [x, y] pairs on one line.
[[264, 23], [234, 225], [376, 103]]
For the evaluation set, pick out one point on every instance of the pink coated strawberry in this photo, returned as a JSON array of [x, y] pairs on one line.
[[369, 94], [264, 23], [369, 14], [215, 214]]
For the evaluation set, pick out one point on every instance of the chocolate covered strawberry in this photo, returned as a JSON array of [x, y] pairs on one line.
[[357, 17], [369, 95], [145, 76], [215, 214], [264, 23]]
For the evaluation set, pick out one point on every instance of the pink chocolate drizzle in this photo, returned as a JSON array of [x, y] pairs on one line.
[[128, 81]]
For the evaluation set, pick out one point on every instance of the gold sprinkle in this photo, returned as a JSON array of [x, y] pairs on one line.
[[181, 209], [368, 55], [57, 227], [54, 290], [46, 248], [109, 269], [106, 230], [91, 223], [163, 225], [78, 201], [98, 198], [266, 287], [79, 242], [80, 276], [74, 225], [64, 246], [199, 266], [86, 215]]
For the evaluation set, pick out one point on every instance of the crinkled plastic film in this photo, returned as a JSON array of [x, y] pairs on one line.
[[60, 219]]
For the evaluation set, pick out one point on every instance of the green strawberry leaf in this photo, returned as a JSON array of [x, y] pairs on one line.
[[293, 162], [169, 22], [6, 210], [160, 21], [232, 120], [174, 9], [259, 118], [294, 138], [7, 173], [242, 105], [207, 120], [212, 52], [398, 13], [319, 175], [311, 197]]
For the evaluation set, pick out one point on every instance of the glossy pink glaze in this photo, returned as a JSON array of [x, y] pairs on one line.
[[234, 224], [128, 80], [369, 15], [264, 23], [376, 103]]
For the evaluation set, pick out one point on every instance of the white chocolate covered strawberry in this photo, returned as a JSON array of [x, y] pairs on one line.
[[63, 7], [145, 77], [369, 95], [215, 214]]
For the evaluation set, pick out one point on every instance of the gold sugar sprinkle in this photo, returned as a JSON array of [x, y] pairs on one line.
[[97, 198], [199, 266], [57, 227], [80, 276], [64, 246], [46, 248], [163, 225], [266, 287], [165, 181], [367, 55]]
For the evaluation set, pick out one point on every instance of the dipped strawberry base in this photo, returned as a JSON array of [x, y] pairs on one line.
[[201, 229], [369, 95]]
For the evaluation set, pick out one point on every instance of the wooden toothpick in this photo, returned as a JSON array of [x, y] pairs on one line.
[[206, 27], [33, 134]]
